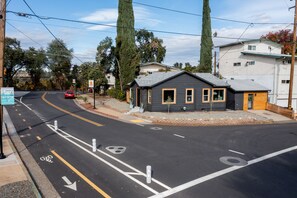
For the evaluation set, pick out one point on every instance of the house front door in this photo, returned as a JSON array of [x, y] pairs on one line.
[[138, 97], [250, 101]]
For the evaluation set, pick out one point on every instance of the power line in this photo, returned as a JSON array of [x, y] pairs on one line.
[[200, 15], [49, 30], [23, 33], [114, 26], [250, 25]]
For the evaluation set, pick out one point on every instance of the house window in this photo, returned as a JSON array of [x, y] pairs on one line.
[[252, 47], [237, 64], [218, 95], [168, 96], [189, 96], [149, 96], [205, 95], [131, 94], [285, 81]]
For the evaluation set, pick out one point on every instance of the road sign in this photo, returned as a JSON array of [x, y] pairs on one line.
[[7, 96], [73, 81], [91, 83]]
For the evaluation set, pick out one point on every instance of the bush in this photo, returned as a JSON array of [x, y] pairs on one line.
[[118, 94]]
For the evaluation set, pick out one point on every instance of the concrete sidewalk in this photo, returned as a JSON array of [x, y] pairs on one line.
[[20, 175], [113, 108]]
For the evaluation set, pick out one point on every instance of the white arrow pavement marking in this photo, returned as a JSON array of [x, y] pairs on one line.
[[69, 184]]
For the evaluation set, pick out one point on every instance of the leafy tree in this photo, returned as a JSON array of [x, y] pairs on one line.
[[206, 40], [126, 52], [59, 61], [178, 65], [149, 47], [91, 71], [105, 54], [283, 37], [13, 59], [35, 62], [189, 68]]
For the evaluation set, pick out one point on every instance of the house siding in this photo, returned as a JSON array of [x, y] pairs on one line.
[[235, 100], [181, 83]]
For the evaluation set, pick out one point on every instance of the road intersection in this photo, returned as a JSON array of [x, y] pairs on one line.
[[185, 160]]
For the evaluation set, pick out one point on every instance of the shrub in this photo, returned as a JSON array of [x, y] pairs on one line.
[[118, 94]]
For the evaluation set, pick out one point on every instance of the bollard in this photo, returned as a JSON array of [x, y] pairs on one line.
[[94, 145], [148, 174], [56, 124]]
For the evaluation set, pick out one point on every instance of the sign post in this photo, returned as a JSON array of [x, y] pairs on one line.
[[91, 85]]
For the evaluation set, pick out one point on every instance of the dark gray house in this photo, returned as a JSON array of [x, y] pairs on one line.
[[179, 90], [246, 94]]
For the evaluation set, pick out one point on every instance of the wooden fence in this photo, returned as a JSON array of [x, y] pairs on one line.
[[281, 110]]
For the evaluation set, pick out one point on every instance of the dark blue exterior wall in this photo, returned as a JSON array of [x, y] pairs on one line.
[[235, 100], [180, 83]]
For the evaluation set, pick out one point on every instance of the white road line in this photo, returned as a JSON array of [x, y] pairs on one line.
[[24, 120], [132, 173], [220, 173], [20, 101], [179, 136], [108, 163], [140, 125], [232, 151]]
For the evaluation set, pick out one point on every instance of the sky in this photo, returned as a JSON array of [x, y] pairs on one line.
[[180, 31]]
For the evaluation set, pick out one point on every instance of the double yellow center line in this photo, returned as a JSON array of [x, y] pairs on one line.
[[67, 112]]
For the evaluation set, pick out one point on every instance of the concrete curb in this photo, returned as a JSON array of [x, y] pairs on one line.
[[40, 182]]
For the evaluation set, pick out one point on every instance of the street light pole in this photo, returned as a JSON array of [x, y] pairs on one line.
[[2, 47], [292, 60]]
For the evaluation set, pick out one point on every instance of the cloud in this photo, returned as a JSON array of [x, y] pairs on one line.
[[102, 27], [182, 49], [143, 18], [102, 15]]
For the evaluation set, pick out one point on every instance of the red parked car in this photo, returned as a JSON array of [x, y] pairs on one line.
[[69, 94]]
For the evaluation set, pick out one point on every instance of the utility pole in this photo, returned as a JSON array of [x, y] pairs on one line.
[[2, 47], [215, 64], [293, 59]]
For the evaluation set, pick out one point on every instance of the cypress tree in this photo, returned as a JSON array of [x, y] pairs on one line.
[[206, 40], [126, 52]]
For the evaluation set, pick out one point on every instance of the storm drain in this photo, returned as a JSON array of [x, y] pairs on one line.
[[116, 149]]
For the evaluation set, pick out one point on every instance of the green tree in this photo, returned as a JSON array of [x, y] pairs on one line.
[[35, 63], [149, 47], [59, 61], [126, 52], [178, 65], [91, 71], [13, 60], [189, 68], [206, 40], [105, 54]]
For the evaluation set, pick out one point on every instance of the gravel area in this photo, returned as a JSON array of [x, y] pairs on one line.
[[22, 189]]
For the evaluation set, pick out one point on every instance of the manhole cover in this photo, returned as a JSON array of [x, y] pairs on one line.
[[116, 149], [156, 128], [233, 161]]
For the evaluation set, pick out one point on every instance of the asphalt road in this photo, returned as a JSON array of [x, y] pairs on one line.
[[210, 162]]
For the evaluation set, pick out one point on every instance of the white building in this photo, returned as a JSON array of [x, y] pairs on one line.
[[260, 60], [151, 67]]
